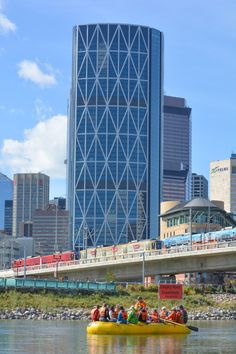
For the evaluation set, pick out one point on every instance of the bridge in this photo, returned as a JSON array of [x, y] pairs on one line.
[[133, 266]]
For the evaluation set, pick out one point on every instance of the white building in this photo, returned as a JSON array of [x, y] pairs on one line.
[[223, 182]]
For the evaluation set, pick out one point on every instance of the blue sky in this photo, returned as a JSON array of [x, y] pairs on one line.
[[35, 74]]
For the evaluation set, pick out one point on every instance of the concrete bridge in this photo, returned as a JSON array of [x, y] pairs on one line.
[[134, 266]]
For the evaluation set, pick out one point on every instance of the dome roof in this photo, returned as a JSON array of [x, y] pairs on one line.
[[200, 203]]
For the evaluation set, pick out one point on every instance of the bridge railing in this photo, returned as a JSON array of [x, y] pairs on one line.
[[128, 255], [54, 284]]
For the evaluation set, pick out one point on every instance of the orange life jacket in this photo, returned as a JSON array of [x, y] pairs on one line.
[[140, 304], [179, 317], [163, 314], [95, 314], [172, 316], [103, 312], [154, 316]]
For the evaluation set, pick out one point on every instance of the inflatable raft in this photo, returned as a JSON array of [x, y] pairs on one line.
[[136, 329]]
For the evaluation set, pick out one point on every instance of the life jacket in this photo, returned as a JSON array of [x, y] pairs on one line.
[[154, 316], [103, 312], [124, 315], [163, 314], [95, 314], [179, 317], [140, 304], [172, 316]]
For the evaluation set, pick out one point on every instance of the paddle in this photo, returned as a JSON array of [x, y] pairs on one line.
[[192, 328]]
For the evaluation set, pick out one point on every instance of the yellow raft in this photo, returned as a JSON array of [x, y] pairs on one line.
[[136, 329]]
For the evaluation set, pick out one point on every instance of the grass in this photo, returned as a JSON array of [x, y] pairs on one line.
[[49, 301]]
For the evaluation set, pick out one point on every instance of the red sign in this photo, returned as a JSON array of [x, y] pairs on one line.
[[170, 291]]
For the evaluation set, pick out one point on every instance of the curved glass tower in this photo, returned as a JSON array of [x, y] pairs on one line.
[[114, 135]]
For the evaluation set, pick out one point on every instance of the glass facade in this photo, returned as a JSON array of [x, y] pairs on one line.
[[114, 138], [8, 216], [177, 150], [6, 193], [31, 192]]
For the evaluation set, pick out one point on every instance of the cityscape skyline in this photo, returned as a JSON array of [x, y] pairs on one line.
[[32, 63]]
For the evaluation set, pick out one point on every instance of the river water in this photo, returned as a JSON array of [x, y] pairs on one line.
[[68, 337]]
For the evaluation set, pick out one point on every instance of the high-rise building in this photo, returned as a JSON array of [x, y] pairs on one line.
[[199, 186], [50, 229], [6, 193], [177, 150], [8, 216], [223, 182], [31, 192], [114, 150]]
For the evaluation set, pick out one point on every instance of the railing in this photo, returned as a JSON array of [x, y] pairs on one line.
[[138, 255], [17, 283]]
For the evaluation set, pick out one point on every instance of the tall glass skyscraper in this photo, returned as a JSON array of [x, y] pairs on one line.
[[114, 135], [6, 193], [177, 150]]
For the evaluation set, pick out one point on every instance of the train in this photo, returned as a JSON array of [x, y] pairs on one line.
[[224, 235], [47, 259]]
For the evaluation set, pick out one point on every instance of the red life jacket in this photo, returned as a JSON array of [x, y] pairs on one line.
[[124, 315], [95, 314], [154, 316], [172, 316], [179, 317]]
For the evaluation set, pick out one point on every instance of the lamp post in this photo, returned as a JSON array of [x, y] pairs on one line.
[[56, 243], [143, 268]]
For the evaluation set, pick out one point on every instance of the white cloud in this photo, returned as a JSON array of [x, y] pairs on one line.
[[43, 149], [6, 25], [30, 70]]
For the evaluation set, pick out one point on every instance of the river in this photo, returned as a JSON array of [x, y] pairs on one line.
[[68, 337]]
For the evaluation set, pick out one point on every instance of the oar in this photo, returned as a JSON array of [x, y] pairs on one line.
[[192, 328]]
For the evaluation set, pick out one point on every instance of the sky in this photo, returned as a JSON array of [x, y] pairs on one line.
[[35, 74]]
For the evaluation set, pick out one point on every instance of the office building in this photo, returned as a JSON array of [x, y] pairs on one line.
[[8, 210], [200, 215], [31, 192], [223, 182], [6, 193], [114, 150], [50, 230], [59, 201], [177, 150], [199, 186]]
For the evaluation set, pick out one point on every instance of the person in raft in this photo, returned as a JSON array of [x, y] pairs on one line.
[[104, 313], [172, 316], [140, 304], [184, 314], [132, 316], [154, 316], [95, 313], [112, 314], [164, 313], [122, 316], [143, 315]]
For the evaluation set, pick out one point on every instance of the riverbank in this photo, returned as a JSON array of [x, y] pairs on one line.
[[84, 314], [51, 306]]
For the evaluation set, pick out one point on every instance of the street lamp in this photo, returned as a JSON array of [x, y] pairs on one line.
[[56, 240], [143, 268]]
